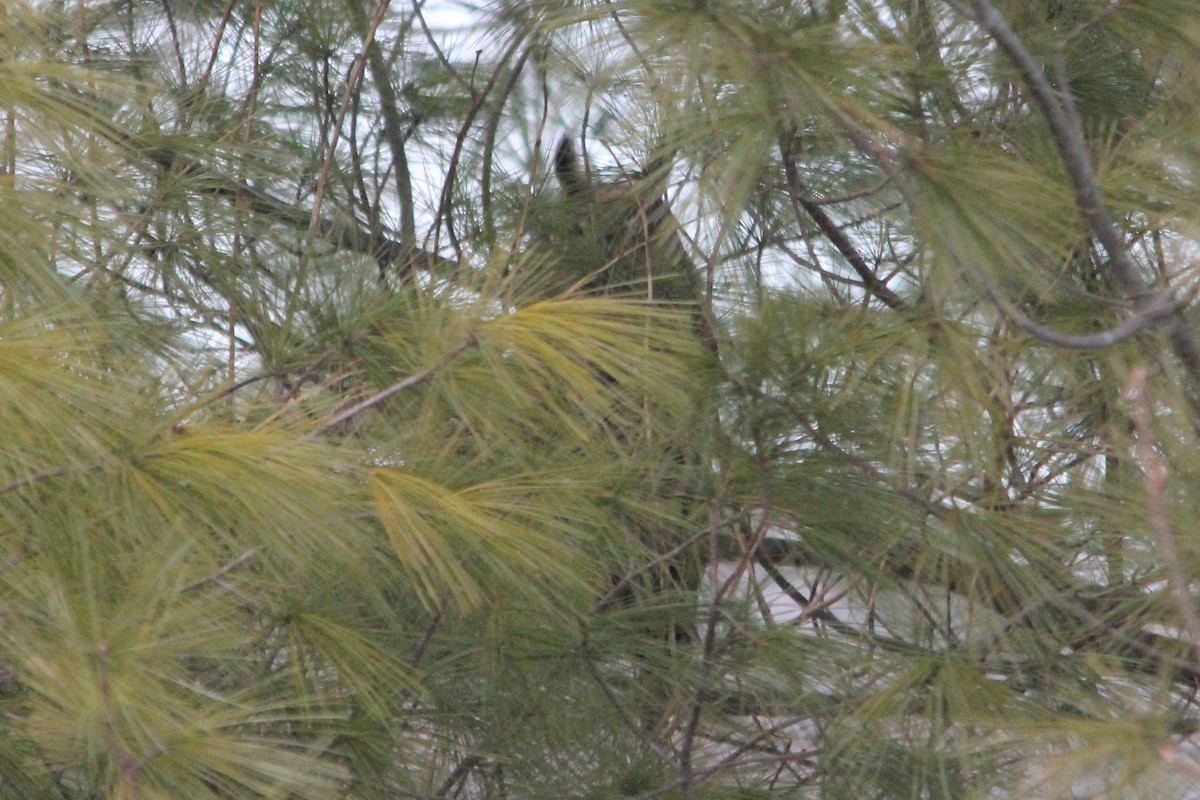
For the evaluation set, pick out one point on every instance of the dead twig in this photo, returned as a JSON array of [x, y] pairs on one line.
[[1154, 466]]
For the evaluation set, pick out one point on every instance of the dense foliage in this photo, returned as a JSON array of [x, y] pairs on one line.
[[821, 420]]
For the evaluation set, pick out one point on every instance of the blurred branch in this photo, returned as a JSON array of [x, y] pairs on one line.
[[686, 770], [626, 581], [46, 474], [393, 126], [1072, 601], [1161, 307], [352, 83], [343, 231], [222, 570], [437, 50], [802, 200], [412, 380], [1155, 469], [631, 722], [445, 201], [1058, 108], [458, 775], [848, 197]]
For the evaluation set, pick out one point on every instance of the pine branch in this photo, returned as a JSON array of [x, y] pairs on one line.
[[1058, 109], [836, 236], [342, 232], [416, 379]]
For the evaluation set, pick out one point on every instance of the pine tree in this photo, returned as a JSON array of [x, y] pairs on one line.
[[827, 429]]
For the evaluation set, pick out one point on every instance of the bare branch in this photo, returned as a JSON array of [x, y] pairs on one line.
[[445, 201], [393, 126], [459, 774], [342, 231], [1163, 306], [1155, 469], [437, 50], [352, 82], [847, 197], [222, 570], [801, 199], [45, 475]]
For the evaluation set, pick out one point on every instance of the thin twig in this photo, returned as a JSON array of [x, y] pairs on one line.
[[708, 657], [1155, 468], [412, 380], [45, 474], [445, 210], [176, 49], [626, 581], [426, 638], [218, 40], [491, 131], [801, 200], [1060, 114], [393, 126], [663, 754], [341, 232], [1163, 306], [352, 82], [837, 199], [437, 50], [460, 772], [222, 570]]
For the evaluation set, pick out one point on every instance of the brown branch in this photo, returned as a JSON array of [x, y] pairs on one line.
[[490, 132], [837, 199], [412, 380], [218, 40], [1155, 469], [342, 233], [835, 235], [1149, 652], [687, 768], [626, 581], [460, 772], [352, 82], [627, 717], [45, 474], [445, 208], [426, 638], [1162, 306], [1058, 109], [222, 570], [437, 50], [393, 126]]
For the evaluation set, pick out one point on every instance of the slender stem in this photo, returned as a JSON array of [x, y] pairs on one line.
[[412, 380], [222, 570], [445, 210], [1155, 468], [352, 82], [835, 235], [45, 475], [393, 125]]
